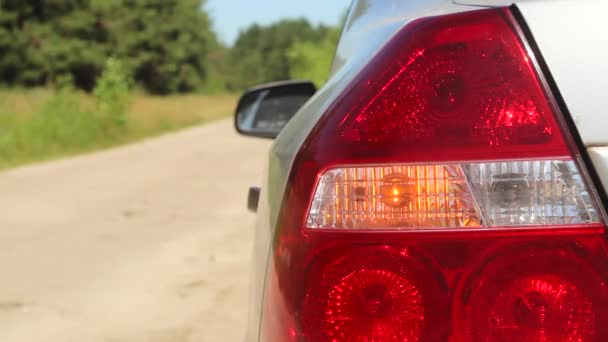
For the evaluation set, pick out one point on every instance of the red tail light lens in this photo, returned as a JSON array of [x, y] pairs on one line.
[[450, 88], [376, 293], [533, 294], [441, 198]]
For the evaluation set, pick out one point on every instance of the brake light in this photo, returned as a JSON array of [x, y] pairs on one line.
[[441, 198], [350, 298]]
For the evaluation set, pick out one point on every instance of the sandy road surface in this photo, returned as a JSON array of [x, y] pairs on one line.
[[148, 242]]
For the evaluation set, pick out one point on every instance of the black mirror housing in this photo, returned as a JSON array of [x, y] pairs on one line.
[[264, 110]]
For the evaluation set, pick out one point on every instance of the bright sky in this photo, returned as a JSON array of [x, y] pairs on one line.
[[230, 16]]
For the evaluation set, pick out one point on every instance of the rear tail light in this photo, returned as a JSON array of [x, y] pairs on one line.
[[441, 198]]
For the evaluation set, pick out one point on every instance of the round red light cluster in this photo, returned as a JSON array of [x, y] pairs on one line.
[[376, 304], [378, 293], [536, 295]]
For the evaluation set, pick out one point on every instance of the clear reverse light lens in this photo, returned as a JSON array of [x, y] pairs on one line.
[[471, 195]]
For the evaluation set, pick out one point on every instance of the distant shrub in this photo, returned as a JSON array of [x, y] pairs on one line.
[[60, 125], [49, 123], [63, 122], [312, 60], [112, 94], [64, 81]]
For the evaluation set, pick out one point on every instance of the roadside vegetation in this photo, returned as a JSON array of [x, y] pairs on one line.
[[79, 75], [56, 124]]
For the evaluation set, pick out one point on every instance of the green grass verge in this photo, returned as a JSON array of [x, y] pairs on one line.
[[38, 125]]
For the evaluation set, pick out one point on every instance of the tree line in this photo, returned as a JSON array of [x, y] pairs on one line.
[[165, 46]]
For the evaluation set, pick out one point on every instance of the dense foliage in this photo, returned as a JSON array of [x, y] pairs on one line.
[[262, 54], [312, 60], [165, 46], [163, 42]]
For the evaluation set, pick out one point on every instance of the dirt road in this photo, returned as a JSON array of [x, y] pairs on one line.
[[145, 243]]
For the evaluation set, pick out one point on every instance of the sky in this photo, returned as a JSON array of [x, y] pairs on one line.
[[230, 16]]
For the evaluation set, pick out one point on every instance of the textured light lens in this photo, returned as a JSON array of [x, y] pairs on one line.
[[546, 192], [371, 294], [533, 295], [393, 196], [452, 196]]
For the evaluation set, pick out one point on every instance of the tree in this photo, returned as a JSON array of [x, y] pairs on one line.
[[163, 42], [52, 41], [260, 53], [312, 61]]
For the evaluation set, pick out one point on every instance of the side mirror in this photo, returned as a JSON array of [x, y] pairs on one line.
[[264, 110]]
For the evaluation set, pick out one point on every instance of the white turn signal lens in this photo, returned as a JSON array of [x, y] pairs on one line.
[[471, 195]]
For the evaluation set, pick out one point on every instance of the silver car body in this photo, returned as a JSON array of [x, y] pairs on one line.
[[570, 36]]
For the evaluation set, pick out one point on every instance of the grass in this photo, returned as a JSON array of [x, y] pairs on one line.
[[152, 113], [40, 124]]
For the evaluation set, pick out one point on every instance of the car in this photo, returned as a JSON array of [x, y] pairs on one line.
[[448, 182]]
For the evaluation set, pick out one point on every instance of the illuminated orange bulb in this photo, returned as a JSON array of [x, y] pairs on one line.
[[397, 191]]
